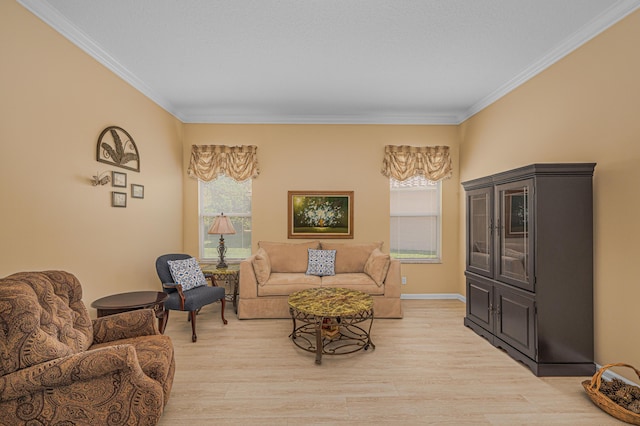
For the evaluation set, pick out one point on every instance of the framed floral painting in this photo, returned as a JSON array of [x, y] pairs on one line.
[[320, 214]]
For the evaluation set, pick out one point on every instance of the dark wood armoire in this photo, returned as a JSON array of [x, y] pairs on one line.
[[529, 265]]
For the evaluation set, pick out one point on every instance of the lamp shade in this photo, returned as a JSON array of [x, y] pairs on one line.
[[221, 225]]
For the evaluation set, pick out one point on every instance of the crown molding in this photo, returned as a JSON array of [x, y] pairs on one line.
[[389, 118], [614, 14]]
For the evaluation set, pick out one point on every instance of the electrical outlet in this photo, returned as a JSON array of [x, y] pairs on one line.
[[404, 280]]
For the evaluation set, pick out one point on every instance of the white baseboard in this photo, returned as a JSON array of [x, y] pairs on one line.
[[434, 296], [608, 375]]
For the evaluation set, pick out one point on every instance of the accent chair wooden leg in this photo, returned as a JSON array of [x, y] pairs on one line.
[[192, 316], [164, 321], [224, 321]]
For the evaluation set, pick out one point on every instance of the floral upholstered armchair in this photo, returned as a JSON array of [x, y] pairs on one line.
[[57, 366]]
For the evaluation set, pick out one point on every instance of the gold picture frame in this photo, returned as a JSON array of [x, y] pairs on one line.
[[320, 214]]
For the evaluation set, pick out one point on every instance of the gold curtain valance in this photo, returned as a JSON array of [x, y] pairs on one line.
[[209, 161], [403, 162]]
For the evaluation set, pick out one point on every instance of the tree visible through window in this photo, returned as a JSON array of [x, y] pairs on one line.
[[225, 195], [415, 219]]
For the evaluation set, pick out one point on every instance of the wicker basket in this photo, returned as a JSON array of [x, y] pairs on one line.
[[593, 390]]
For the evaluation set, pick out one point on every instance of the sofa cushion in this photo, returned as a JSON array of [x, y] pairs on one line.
[[283, 284], [321, 262], [288, 257], [277, 278], [351, 257], [187, 273], [261, 266], [377, 266], [353, 281]]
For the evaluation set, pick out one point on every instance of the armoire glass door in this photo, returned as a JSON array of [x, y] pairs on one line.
[[514, 260], [480, 223]]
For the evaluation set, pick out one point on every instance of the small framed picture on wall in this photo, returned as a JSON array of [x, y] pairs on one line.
[[118, 199], [137, 191], [119, 179]]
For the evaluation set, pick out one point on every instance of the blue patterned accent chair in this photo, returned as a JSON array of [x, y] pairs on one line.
[[192, 300]]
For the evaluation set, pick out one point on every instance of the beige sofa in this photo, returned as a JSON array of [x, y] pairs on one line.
[[276, 270]]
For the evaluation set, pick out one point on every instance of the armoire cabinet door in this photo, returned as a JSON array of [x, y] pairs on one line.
[[515, 233], [480, 304], [480, 231], [515, 320]]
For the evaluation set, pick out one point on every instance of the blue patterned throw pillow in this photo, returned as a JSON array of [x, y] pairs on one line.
[[187, 273], [321, 262]]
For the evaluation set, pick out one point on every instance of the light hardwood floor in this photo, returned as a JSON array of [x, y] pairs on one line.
[[426, 369]]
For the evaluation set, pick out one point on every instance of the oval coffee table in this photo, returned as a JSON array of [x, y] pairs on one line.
[[325, 321]]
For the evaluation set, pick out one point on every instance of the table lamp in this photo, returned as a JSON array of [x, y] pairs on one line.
[[221, 225]]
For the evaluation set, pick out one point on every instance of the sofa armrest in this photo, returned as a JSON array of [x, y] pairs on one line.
[[393, 279], [125, 325], [248, 282], [83, 366]]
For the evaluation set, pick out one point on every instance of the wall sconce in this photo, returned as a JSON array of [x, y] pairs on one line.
[[99, 179]]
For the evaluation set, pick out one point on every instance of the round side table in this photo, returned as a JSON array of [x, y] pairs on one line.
[[229, 275], [124, 302]]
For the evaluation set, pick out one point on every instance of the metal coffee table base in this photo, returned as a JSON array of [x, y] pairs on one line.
[[331, 335]]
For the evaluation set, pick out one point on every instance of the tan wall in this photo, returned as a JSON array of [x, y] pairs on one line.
[[584, 108], [332, 157], [55, 101]]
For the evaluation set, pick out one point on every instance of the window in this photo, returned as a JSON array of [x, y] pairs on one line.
[[225, 195], [415, 219]]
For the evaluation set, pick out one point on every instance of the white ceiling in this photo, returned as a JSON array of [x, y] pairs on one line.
[[328, 61]]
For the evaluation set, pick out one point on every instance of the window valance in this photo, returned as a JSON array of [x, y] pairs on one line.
[[403, 162], [209, 161]]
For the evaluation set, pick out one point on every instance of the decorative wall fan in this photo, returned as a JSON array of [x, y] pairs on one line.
[[116, 147]]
